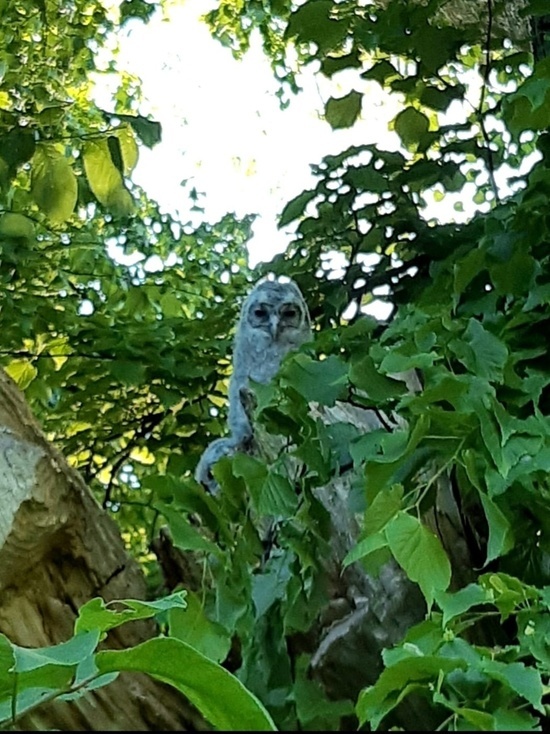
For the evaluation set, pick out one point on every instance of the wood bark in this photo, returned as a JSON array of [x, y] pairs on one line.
[[58, 549]]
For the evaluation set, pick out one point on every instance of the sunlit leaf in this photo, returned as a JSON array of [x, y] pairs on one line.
[[148, 131], [54, 186], [105, 179], [22, 371], [16, 227]]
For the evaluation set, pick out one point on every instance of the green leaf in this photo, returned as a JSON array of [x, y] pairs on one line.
[[105, 179], [364, 375], [98, 615], [127, 372], [191, 625], [366, 178], [529, 104], [486, 356], [508, 592], [419, 553], [523, 680], [115, 152], [185, 535], [270, 585], [322, 381], [16, 147], [218, 695], [481, 720], [277, 496], [53, 184], [17, 227], [466, 269], [382, 71], [148, 131], [501, 535], [69, 653], [315, 711], [438, 99], [385, 505], [398, 361], [344, 111], [313, 21], [517, 275], [330, 65], [254, 473], [377, 701], [7, 661], [22, 372], [365, 547], [435, 45], [295, 207], [128, 147], [459, 602], [411, 125], [514, 720]]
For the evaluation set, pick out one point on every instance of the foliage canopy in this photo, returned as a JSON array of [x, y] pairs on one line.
[[127, 366]]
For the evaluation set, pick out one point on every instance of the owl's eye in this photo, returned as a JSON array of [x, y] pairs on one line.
[[290, 313], [260, 313]]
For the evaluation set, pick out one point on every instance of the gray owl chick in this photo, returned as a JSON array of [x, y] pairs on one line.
[[274, 320], [214, 451]]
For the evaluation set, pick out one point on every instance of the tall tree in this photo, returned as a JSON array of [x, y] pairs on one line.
[[468, 312], [383, 558]]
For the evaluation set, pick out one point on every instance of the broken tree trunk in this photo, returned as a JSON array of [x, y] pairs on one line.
[[58, 549]]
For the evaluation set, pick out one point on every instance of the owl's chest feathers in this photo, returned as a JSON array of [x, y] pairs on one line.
[[259, 359]]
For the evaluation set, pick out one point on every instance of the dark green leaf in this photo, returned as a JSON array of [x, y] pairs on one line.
[[364, 375], [295, 207], [148, 131], [344, 111], [411, 125], [323, 381], [313, 21]]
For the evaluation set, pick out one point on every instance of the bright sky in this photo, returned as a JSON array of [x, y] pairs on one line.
[[225, 134], [223, 130]]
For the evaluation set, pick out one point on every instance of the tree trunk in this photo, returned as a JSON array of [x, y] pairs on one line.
[[58, 549]]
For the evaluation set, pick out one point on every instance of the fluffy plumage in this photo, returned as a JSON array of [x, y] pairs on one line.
[[214, 451], [274, 320]]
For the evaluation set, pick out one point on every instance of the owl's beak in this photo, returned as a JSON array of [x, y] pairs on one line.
[[274, 326]]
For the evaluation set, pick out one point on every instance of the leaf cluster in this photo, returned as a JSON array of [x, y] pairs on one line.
[[65, 672], [126, 365], [468, 307]]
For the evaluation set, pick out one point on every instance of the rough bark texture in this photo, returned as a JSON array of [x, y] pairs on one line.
[[58, 549]]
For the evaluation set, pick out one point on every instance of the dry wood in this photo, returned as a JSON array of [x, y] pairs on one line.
[[58, 549]]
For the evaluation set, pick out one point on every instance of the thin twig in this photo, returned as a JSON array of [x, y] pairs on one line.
[[489, 162]]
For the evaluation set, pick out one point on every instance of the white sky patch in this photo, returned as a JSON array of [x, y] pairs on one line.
[[224, 134], [222, 127]]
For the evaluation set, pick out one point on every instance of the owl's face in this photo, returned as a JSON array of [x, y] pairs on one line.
[[277, 309]]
